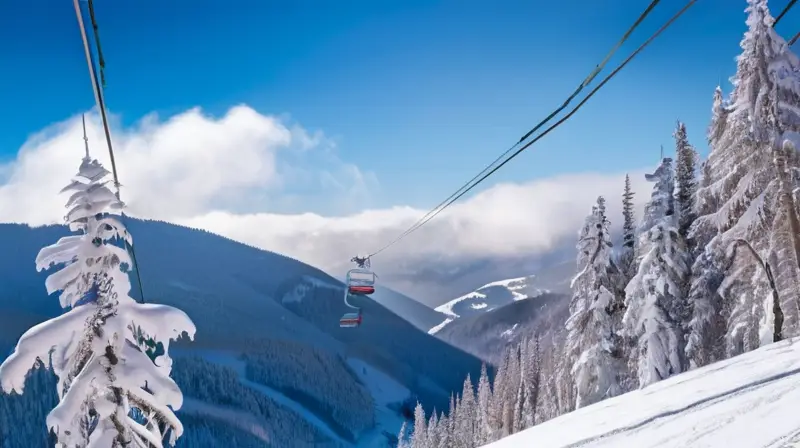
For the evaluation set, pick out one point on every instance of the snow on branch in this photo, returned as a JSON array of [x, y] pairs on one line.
[[110, 392]]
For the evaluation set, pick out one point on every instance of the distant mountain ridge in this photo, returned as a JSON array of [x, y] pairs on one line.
[[486, 335], [485, 321], [267, 333], [488, 298]]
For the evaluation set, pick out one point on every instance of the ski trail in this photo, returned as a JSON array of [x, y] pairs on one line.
[[230, 360], [235, 417]]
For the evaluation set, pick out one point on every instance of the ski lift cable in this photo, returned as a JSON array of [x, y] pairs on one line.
[[100, 100], [100, 59], [794, 39], [555, 125], [593, 74], [783, 13], [98, 91]]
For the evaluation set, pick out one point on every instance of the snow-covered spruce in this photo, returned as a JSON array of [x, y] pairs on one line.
[[626, 256], [111, 394], [685, 180], [655, 297], [739, 199], [593, 344]]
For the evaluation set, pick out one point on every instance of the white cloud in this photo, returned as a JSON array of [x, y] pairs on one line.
[[504, 220], [183, 167], [228, 175]]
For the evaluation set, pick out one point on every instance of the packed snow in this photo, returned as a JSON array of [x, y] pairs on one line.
[[748, 401], [386, 392]]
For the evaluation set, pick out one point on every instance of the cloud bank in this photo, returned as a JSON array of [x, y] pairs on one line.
[[250, 177]]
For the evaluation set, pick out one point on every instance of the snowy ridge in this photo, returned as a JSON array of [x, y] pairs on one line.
[[436, 329], [487, 298], [745, 401]]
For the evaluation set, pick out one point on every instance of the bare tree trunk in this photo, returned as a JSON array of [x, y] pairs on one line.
[[777, 329]]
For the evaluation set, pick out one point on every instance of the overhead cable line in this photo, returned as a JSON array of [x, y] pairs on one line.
[[593, 74], [551, 128], [783, 13], [98, 90], [100, 100]]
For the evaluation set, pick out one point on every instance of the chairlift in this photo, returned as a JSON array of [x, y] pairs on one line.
[[350, 320], [360, 282]]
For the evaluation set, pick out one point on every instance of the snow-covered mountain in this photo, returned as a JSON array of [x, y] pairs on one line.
[[486, 335], [553, 277], [746, 401], [270, 365]]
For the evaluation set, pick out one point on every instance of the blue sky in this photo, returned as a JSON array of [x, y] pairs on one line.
[[422, 93]]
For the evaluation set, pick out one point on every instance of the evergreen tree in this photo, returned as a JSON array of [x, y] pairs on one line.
[[706, 329], [402, 437], [482, 428], [445, 434], [626, 255], [521, 394], [740, 196], [433, 430], [593, 343], [104, 374], [419, 436], [467, 415], [534, 380], [685, 178], [497, 401], [655, 298]]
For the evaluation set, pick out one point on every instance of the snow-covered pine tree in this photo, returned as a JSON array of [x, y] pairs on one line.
[[685, 180], [104, 376], [743, 187], [785, 245], [419, 435], [402, 437], [443, 433], [547, 405], [511, 389], [452, 420], [533, 381], [522, 393], [482, 429], [593, 344], [626, 255], [467, 415], [719, 118], [707, 327], [498, 398], [433, 430], [655, 297]]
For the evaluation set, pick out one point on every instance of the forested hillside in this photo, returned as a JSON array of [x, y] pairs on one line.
[[710, 271], [267, 337]]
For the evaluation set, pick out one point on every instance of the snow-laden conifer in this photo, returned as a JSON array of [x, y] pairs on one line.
[[111, 394], [655, 297], [592, 345]]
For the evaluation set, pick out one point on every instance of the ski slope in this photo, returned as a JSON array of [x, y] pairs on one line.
[[383, 388], [747, 401]]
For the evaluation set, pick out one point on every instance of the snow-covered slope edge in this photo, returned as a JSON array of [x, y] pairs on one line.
[[487, 298], [487, 335], [746, 401]]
